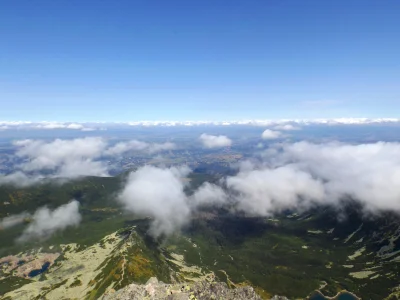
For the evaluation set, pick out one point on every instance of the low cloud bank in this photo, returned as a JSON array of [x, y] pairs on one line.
[[58, 125], [21, 125], [66, 158], [88, 126], [265, 191], [215, 141], [303, 174], [287, 176], [70, 158], [46, 222], [295, 176], [57, 159], [20, 179]]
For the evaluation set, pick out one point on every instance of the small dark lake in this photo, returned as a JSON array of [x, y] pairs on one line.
[[21, 262], [36, 272]]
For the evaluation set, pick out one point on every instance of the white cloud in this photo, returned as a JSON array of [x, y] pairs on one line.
[[45, 125], [86, 126], [123, 147], [67, 158], [208, 193], [286, 127], [20, 179], [303, 174], [50, 126], [58, 125], [75, 126], [367, 172], [57, 159], [135, 145], [158, 193], [70, 158], [269, 122], [214, 141], [269, 134], [265, 191], [82, 167], [46, 222]]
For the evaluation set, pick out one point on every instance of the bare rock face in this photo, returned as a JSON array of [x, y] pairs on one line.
[[155, 290]]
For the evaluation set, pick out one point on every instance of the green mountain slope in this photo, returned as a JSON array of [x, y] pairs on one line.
[[288, 254]]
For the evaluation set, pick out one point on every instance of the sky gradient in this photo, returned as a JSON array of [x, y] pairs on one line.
[[198, 60]]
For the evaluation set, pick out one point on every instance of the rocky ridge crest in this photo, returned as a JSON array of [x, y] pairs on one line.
[[157, 290]]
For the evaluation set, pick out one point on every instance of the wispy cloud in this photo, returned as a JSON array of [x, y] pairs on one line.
[[136, 145], [13, 220], [45, 222]]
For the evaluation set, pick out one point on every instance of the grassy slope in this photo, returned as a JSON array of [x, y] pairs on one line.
[[270, 254], [266, 253], [91, 192]]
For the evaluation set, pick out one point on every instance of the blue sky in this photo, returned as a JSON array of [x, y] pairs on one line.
[[193, 60]]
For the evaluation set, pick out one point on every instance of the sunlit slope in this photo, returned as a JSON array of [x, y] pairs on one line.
[[287, 254]]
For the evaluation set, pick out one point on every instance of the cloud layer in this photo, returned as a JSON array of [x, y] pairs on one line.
[[89, 126], [287, 176], [303, 174], [295, 176], [67, 158], [70, 158], [45, 125], [215, 141]]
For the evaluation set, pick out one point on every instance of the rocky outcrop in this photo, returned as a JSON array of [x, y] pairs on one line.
[[155, 290]]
